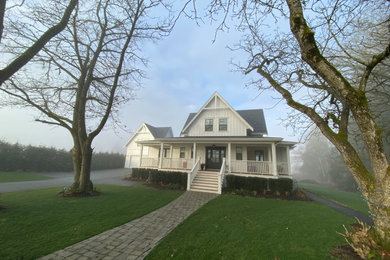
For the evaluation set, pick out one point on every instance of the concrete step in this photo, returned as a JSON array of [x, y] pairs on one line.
[[204, 185], [206, 178], [209, 173], [205, 182], [210, 190]]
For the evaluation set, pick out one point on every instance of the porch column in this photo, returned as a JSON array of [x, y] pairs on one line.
[[194, 154], [230, 157], [274, 165], [140, 157], [161, 155], [170, 156], [288, 159]]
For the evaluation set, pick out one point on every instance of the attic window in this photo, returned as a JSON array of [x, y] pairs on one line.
[[208, 126], [223, 124]]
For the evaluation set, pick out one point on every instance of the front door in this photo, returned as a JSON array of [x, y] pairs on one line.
[[214, 157]]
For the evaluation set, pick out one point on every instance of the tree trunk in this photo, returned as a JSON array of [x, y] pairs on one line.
[[374, 186], [76, 158], [86, 184], [378, 202]]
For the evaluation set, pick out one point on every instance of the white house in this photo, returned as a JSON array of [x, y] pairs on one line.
[[216, 139], [145, 132]]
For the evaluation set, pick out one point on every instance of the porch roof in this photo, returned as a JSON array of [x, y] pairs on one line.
[[219, 139]]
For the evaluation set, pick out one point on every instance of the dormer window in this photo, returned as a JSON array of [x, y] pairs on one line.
[[223, 124], [208, 126]]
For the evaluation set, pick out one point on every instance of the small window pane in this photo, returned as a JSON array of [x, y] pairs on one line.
[[238, 153], [259, 155], [167, 152], [208, 125], [182, 152], [223, 124]]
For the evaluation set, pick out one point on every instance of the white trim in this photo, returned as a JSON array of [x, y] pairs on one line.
[[136, 132], [230, 157], [161, 155], [274, 163], [288, 159], [194, 152], [214, 96]]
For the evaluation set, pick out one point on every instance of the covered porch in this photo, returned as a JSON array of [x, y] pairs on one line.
[[261, 156]]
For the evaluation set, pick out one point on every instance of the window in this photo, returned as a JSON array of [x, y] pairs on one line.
[[259, 155], [238, 153], [223, 124], [182, 152], [192, 152], [208, 126], [167, 152]]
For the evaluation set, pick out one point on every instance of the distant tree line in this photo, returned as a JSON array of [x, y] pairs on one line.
[[16, 157], [321, 163]]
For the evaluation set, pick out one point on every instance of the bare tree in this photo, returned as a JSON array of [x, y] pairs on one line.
[[292, 45], [85, 73], [31, 50]]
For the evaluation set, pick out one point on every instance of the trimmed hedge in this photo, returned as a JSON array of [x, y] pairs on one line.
[[177, 180], [140, 174], [260, 185]]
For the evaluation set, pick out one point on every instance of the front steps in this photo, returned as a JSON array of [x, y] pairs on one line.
[[205, 181]]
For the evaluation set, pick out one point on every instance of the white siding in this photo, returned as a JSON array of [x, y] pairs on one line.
[[235, 126], [133, 150]]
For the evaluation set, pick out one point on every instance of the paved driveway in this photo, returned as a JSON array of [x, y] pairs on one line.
[[111, 177]]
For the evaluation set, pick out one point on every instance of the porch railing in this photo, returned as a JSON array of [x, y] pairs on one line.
[[149, 162], [177, 163], [193, 173], [282, 168], [221, 176], [245, 166]]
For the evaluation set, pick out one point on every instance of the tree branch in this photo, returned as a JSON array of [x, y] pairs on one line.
[[339, 140], [2, 13], [375, 60], [27, 55]]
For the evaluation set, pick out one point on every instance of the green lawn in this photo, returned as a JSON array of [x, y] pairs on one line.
[[38, 222], [21, 176], [354, 200], [235, 227]]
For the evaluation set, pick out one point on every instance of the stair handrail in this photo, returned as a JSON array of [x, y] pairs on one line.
[[192, 173], [221, 176]]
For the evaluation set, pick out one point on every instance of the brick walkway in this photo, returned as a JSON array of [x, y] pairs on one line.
[[135, 239]]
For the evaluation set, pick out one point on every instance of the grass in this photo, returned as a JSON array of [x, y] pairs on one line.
[[354, 200], [21, 176], [36, 223], [235, 227]]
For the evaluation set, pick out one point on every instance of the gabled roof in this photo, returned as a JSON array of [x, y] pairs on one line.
[[160, 132], [215, 95], [157, 132], [255, 117]]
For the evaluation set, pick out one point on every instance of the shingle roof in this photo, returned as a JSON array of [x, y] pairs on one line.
[[190, 117], [254, 117], [160, 132]]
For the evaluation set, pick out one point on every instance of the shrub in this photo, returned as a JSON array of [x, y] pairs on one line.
[[177, 180], [140, 174], [255, 185], [365, 242], [281, 185]]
